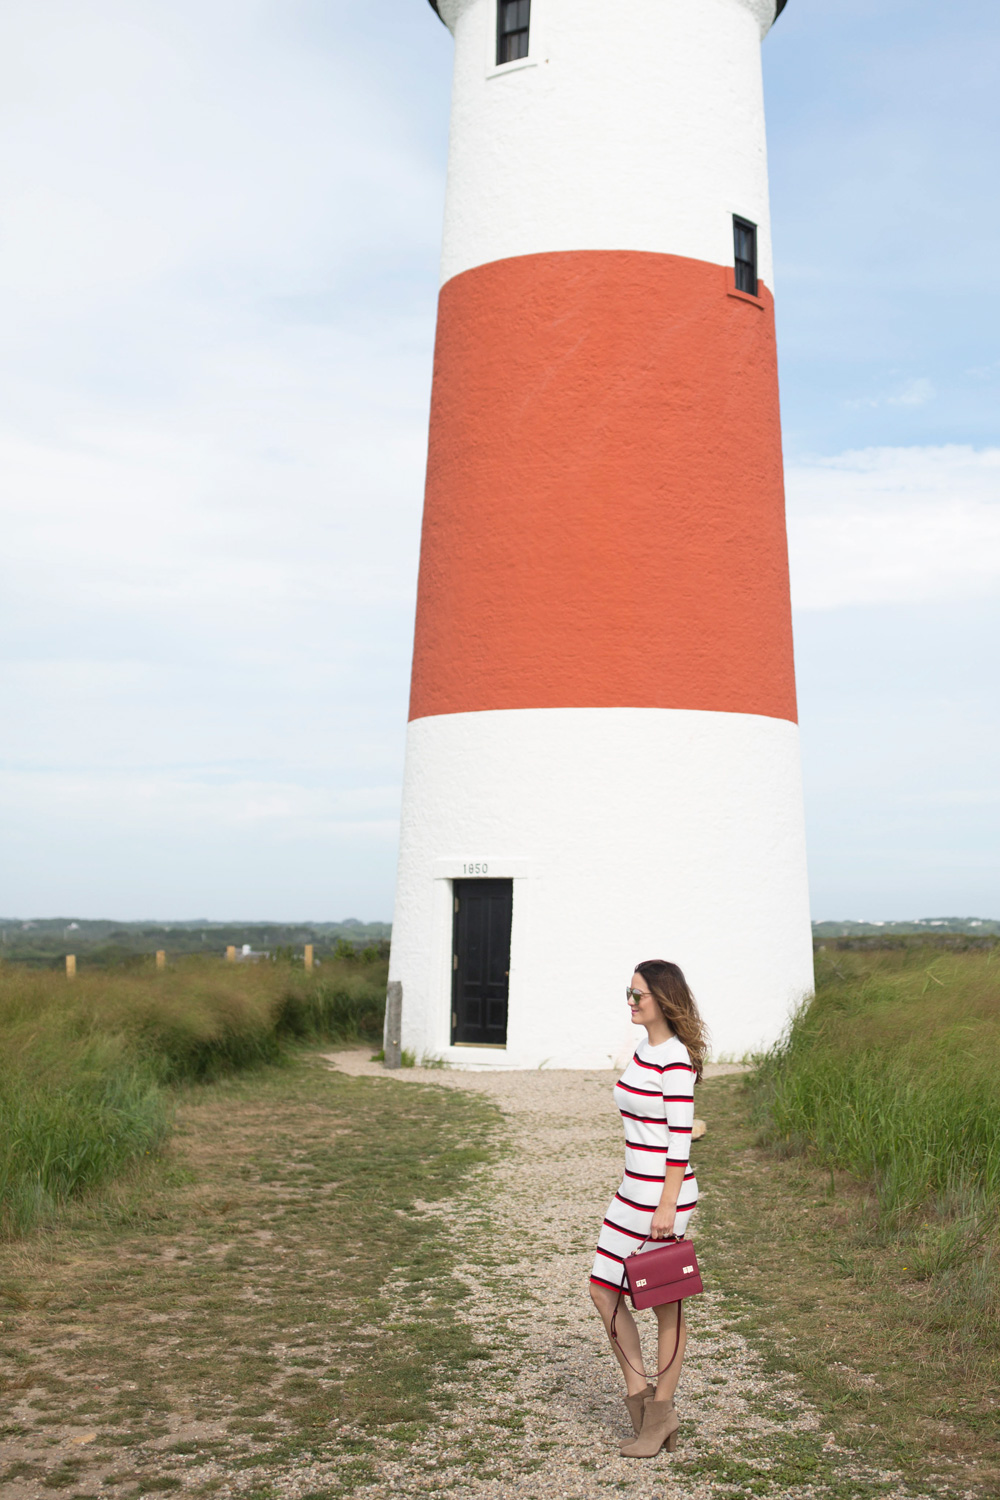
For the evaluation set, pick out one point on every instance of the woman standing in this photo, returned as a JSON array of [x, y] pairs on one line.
[[655, 1096]]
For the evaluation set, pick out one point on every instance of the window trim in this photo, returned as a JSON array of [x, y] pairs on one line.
[[732, 290]]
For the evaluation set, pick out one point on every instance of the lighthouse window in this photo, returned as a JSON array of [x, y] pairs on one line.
[[745, 243], [513, 19]]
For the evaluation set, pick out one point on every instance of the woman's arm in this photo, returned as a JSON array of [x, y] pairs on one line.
[[678, 1107], [666, 1209]]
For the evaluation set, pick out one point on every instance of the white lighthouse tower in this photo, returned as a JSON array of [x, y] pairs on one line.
[[603, 762]]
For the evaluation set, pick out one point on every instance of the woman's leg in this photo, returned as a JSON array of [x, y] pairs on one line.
[[604, 1300], [666, 1319]]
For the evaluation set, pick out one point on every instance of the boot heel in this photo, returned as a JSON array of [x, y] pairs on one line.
[[659, 1430]]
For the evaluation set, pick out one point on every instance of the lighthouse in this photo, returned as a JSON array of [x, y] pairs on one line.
[[602, 760]]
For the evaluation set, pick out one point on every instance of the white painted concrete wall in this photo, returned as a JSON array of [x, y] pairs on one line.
[[630, 833], [636, 125]]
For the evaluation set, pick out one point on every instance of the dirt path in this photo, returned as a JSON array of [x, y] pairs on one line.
[[553, 1390]]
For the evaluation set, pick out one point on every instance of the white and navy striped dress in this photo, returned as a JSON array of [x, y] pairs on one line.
[[655, 1096]]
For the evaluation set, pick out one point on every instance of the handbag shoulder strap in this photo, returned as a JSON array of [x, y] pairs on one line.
[[614, 1335]]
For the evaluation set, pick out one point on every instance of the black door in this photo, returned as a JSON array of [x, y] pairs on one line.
[[481, 960]]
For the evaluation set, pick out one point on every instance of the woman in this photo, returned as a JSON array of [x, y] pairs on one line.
[[658, 1193]]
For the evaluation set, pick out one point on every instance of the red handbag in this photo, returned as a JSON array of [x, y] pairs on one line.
[[667, 1273]]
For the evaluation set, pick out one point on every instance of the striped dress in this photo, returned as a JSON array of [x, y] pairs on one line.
[[655, 1096]]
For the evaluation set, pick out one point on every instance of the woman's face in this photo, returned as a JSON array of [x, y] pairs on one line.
[[642, 1006]]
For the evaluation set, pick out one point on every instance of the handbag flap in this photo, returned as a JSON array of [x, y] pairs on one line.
[[662, 1266]]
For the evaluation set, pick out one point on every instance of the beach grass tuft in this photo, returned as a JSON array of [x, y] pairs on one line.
[[890, 1072], [89, 1066]]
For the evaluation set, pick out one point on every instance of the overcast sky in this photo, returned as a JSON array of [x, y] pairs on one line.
[[218, 275]]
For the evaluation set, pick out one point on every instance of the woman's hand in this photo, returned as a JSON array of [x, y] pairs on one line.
[[663, 1221]]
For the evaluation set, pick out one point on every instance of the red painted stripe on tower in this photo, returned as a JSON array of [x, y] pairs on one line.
[[604, 518]]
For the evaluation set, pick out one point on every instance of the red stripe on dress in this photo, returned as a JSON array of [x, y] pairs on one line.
[[642, 1207], [655, 1176], [610, 1255], [610, 1224]]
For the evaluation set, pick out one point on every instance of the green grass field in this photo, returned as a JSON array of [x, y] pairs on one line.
[[277, 1294], [90, 1066], [228, 1227], [891, 1074]]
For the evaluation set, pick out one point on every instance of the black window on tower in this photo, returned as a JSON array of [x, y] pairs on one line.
[[513, 19], [745, 244]]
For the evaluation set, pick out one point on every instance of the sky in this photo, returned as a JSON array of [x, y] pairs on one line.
[[218, 278]]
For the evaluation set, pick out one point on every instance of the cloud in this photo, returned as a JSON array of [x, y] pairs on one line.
[[290, 811], [290, 472], [218, 321], [894, 525], [179, 146], [915, 392], [217, 295]]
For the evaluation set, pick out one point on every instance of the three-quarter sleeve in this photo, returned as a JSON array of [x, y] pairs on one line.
[[678, 1102]]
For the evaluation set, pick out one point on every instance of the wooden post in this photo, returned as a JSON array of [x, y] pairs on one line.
[[71, 966], [394, 1024], [308, 955], [231, 954], [161, 958]]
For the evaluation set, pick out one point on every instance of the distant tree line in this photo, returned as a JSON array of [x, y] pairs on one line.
[[44, 943]]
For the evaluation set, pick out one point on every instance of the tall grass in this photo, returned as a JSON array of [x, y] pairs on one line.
[[87, 1069], [891, 1072]]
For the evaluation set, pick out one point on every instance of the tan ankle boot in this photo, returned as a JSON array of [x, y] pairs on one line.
[[635, 1405], [659, 1426]]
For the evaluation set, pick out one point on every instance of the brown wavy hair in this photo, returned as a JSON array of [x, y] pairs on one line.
[[677, 1005]]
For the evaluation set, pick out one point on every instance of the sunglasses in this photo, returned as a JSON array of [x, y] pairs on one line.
[[636, 996]]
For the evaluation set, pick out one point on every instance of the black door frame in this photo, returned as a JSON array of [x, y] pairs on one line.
[[480, 1019]]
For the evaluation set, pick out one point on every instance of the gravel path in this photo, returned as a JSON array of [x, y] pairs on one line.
[[551, 1414]]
